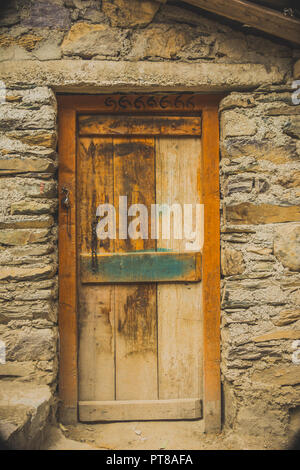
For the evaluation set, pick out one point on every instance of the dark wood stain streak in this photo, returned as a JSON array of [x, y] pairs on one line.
[[138, 320], [134, 174], [136, 122], [135, 148], [83, 192], [91, 154], [105, 314], [95, 187]]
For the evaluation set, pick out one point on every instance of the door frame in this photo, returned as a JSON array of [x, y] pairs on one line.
[[69, 106]]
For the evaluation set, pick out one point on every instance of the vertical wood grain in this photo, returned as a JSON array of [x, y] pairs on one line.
[[96, 362], [211, 269], [67, 267], [96, 303], [178, 305], [135, 305]]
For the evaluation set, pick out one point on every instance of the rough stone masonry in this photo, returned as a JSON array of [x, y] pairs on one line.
[[118, 45]]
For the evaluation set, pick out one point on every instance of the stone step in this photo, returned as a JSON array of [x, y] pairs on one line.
[[24, 414]]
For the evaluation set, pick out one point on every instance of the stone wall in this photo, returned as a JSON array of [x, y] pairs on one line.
[[260, 259], [118, 45], [127, 30], [28, 252]]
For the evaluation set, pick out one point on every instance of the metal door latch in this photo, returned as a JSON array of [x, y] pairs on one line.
[[65, 200], [66, 204]]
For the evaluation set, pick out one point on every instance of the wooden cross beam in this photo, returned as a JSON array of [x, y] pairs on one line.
[[262, 18]]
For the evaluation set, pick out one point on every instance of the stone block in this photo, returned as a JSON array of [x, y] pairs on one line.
[[286, 317], [14, 118], [26, 273], [287, 246], [13, 237], [162, 41], [278, 375], [130, 13], [29, 344], [259, 420], [86, 40], [293, 126], [15, 165], [80, 76], [235, 124], [24, 414], [33, 207], [232, 262], [277, 335], [248, 213], [45, 14], [34, 138]]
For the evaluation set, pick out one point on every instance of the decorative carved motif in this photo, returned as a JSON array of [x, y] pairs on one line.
[[163, 102]]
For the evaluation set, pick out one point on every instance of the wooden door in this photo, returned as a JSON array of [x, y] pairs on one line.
[[139, 317]]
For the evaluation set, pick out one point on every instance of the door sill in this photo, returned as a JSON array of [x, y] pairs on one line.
[[140, 410]]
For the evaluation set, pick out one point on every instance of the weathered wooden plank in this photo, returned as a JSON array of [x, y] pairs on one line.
[[135, 305], [96, 343], [95, 187], [133, 410], [211, 273], [134, 177], [142, 267], [95, 303], [148, 103], [136, 342], [68, 384], [262, 18], [139, 125], [179, 305]]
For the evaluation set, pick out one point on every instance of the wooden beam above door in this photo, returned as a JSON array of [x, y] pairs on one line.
[[139, 125], [262, 18]]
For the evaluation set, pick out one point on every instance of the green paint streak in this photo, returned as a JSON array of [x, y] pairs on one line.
[[142, 268]]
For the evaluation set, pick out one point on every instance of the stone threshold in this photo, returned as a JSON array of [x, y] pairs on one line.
[[24, 414]]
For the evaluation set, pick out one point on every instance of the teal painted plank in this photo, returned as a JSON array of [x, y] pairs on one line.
[[141, 267]]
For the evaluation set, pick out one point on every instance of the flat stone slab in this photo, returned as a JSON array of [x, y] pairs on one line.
[[82, 76], [24, 414]]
